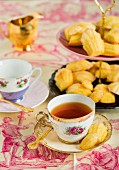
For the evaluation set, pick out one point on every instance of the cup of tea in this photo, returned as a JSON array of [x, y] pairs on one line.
[[71, 115], [15, 78]]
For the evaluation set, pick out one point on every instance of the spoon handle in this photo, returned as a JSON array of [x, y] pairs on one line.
[[21, 107], [34, 144]]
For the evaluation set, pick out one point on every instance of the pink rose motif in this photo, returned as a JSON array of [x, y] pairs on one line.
[[3, 84], [74, 130], [21, 83], [25, 80]]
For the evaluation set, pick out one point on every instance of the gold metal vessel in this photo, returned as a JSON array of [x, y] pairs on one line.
[[22, 32]]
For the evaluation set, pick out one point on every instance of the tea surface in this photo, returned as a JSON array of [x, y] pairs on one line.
[[71, 110]]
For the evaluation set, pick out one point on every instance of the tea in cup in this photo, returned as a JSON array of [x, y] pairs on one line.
[[15, 76], [71, 115]]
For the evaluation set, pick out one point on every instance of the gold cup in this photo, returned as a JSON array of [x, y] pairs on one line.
[[22, 32]]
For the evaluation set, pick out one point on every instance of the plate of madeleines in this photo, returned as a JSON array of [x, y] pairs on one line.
[[98, 80], [90, 41]]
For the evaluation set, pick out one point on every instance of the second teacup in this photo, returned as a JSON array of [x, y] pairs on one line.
[[15, 76]]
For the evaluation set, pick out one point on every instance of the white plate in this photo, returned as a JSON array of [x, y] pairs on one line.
[[52, 141], [35, 95]]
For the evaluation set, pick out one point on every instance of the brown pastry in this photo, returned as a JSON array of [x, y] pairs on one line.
[[110, 22], [114, 88], [78, 88], [63, 78], [102, 73], [92, 42], [80, 65], [102, 64], [101, 87], [89, 141], [97, 95], [100, 129], [108, 97], [112, 36], [93, 70], [72, 30], [77, 28], [111, 49], [75, 40], [114, 66], [87, 84], [79, 76], [113, 76]]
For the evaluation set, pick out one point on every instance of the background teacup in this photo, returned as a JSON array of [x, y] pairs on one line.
[[73, 129], [15, 76]]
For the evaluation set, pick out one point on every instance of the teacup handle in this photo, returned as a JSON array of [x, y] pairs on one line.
[[37, 76], [1, 30]]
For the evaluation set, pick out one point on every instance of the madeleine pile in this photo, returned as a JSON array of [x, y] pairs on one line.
[[81, 77], [90, 36]]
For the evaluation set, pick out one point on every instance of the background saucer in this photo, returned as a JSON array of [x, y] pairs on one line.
[[35, 95], [52, 141]]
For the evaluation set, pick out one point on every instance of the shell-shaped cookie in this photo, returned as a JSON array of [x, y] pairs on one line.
[[63, 78], [89, 141], [114, 66], [93, 70], [78, 89], [92, 42], [108, 97], [80, 76], [97, 95], [77, 28], [114, 88], [113, 76], [111, 49], [101, 87], [112, 36], [100, 129], [72, 30], [75, 40], [87, 84], [102, 64], [80, 65], [102, 73], [110, 22]]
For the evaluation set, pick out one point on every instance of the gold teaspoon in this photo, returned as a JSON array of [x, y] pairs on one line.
[[21, 107], [34, 144]]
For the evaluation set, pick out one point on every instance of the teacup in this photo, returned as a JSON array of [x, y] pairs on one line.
[[71, 123], [15, 78]]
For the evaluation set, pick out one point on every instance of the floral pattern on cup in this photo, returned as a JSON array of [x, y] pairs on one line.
[[74, 130], [3, 84], [21, 83]]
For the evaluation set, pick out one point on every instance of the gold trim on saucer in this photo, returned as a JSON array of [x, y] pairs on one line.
[[98, 117], [77, 142]]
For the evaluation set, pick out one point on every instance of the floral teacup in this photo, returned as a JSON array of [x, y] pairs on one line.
[[71, 130], [15, 75]]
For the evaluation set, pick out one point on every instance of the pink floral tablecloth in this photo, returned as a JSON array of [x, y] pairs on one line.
[[17, 128]]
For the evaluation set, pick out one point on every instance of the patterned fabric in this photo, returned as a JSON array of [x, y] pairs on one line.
[[17, 128]]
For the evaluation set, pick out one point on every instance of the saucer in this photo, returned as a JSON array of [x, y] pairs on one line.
[[54, 143], [35, 95]]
